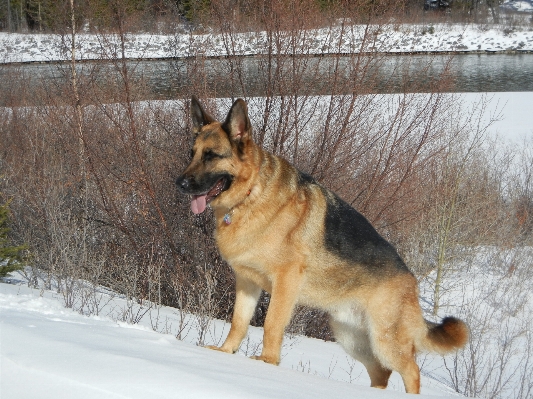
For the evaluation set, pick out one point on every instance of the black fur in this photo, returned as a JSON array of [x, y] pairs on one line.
[[350, 236], [304, 178]]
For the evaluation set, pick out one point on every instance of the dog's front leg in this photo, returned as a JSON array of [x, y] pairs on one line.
[[285, 291], [246, 297]]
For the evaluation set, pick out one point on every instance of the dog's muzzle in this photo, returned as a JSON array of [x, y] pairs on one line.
[[203, 193]]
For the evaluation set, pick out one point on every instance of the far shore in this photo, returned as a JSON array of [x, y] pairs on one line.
[[381, 40], [220, 57]]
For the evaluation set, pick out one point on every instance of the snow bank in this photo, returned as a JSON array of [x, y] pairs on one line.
[[524, 6], [351, 39], [48, 351]]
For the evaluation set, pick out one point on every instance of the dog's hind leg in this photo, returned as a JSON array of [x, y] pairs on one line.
[[394, 346], [400, 357], [393, 326], [379, 375], [351, 333], [246, 297]]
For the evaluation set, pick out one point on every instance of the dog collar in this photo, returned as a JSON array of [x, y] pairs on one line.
[[227, 216]]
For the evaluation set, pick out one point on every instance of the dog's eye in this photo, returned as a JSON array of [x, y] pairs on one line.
[[209, 155]]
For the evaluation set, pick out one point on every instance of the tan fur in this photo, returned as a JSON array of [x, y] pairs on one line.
[[275, 242]]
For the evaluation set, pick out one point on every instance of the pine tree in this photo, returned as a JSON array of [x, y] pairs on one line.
[[11, 257]]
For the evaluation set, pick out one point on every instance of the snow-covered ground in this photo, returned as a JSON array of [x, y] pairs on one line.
[[392, 38], [521, 6], [513, 111], [50, 352]]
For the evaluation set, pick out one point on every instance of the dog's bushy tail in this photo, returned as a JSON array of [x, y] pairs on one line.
[[448, 336]]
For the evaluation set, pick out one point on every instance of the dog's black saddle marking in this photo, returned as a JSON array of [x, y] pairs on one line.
[[350, 236]]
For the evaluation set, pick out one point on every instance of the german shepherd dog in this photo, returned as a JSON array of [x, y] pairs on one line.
[[283, 232]]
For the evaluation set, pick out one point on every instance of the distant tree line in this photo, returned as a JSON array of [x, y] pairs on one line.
[[54, 15]]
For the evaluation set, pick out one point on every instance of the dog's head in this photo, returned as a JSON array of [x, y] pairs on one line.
[[217, 169]]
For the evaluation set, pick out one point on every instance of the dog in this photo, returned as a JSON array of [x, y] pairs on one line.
[[282, 232]]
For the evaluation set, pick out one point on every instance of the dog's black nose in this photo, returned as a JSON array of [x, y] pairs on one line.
[[183, 183]]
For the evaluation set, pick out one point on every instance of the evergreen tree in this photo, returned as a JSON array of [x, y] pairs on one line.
[[11, 257]]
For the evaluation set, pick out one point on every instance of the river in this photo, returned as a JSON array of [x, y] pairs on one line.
[[167, 79]]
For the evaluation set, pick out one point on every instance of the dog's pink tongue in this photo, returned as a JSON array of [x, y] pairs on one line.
[[198, 204]]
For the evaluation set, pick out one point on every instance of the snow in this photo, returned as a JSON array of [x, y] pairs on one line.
[[15, 47], [525, 6], [48, 351], [514, 121]]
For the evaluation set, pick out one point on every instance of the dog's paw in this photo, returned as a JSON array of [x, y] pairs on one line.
[[215, 348], [266, 359]]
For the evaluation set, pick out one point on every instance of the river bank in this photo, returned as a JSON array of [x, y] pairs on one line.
[[342, 39]]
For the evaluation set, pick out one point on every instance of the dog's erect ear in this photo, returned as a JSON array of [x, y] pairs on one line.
[[237, 123], [200, 118]]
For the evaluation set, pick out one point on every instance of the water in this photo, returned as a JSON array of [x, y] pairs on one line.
[[494, 72], [467, 73], [167, 79]]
